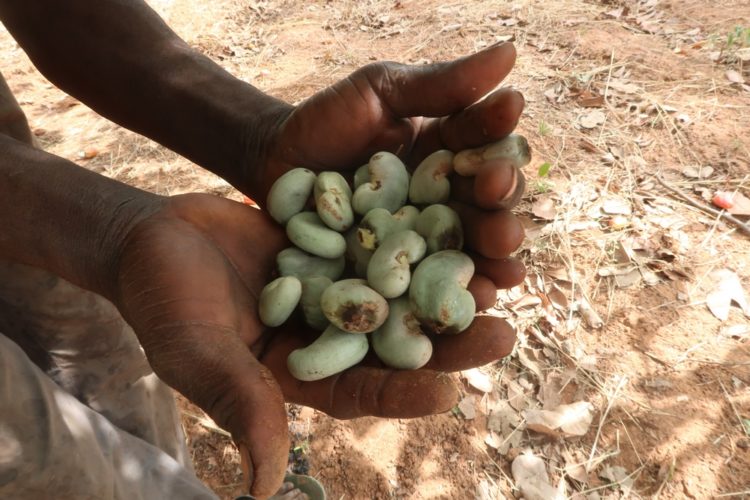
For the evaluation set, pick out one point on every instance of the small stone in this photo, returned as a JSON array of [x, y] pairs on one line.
[[743, 443]]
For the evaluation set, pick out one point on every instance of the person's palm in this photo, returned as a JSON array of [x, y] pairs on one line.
[[191, 273], [188, 282]]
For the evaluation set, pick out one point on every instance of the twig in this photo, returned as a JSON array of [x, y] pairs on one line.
[[734, 408], [718, 213], [603, 418]]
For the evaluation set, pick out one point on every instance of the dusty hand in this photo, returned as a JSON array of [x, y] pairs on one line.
[[188, 281], [414, 111]]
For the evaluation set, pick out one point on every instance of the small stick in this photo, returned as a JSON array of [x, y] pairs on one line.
[[718, 213]]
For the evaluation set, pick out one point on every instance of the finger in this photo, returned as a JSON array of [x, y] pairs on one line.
[[493, 234], [235, 390], [504, 273], [486, 121], [498, 184], [483, 290], [364, 390], [442, 88], [487, 339]]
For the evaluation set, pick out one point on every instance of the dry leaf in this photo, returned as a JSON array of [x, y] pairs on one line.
[[504, 422], [531, 364], [616, 205], [516, 396], [544, 208], [694, 172], [728, 289], [592, 119], [735, 331], [478, 380], [530, 475], [620, 476], [468, 407], [571, 420], [734, 76]]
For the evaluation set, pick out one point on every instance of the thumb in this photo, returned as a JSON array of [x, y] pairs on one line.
[[215, 370]]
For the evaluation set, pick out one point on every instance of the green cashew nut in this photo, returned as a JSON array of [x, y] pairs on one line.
[[353, 306], [438, 292], [333, 201], [307, 231], [378, 223], [388, 185], [388, 272], [514, 148], [430, 183], [356, 254], [312, 288], [333, 352], [278, 300], [441, 228], [400, 343], [294, 262], [289, 194], [361, 175]]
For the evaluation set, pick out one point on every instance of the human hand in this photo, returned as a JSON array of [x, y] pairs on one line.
[[188, 280], [414, 111]]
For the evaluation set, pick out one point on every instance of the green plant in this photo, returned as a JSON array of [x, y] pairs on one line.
[[544, 128]]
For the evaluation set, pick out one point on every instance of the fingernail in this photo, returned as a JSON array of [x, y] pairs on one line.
[[247, 465]]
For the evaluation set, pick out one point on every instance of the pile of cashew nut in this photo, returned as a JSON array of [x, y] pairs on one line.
[[411, 275]]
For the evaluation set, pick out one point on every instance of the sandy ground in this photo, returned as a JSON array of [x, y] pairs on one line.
[[626, 101]]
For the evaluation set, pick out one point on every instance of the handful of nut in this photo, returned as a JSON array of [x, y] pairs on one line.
[[408, 274]]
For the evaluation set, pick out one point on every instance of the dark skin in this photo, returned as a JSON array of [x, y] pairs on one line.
[[200, 328]]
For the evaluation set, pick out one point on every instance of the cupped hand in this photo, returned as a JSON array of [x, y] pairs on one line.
[[188, 281], [413, 111]]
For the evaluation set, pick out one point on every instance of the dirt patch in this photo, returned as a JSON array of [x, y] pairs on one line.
[[669, 386]]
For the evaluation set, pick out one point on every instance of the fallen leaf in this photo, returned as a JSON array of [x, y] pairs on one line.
[[734, 76], [592, 119], [530, 474], [505, 423], [531, 364], [616, 205], [618, 475], [468, 407], [728, 289], [544, 208], [694, 172], [516, 396], [589, 100], [735, 331], [571, 420], [478, 380]]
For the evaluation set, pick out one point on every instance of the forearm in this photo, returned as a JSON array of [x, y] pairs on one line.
[[121, 59], [63, 218]]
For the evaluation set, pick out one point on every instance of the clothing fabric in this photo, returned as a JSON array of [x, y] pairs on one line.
[[82, 416]]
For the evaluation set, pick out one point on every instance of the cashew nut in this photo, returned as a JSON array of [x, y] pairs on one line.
[[307, 231], [400, 343], [441, 228], [514, 147], [294, 262], [388, 185], [333, 201], [438, 292], [430, 183], [356, 254], [378, 223], [353, 306], [361, 175], [312, 289], [289, 194], [388, 271], [333, 352], [278, 300]]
